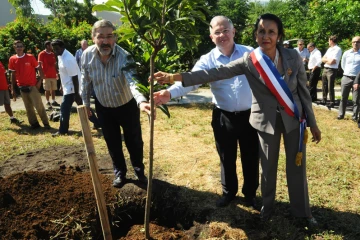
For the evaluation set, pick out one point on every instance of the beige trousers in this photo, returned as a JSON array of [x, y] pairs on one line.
[[32, 101]]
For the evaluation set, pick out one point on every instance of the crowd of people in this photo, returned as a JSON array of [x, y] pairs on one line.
[[259, 96]]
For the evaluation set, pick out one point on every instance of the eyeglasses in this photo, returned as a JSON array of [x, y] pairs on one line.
[[224, 32], [102, 38], [356, 42]]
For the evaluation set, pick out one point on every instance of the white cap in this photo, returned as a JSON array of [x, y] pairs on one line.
[[286, 42]]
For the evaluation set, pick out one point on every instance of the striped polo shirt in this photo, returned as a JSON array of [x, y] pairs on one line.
[[112, 82]]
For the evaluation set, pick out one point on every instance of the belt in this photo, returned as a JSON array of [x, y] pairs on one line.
[[351, 77], [330, 68], [236, 113]]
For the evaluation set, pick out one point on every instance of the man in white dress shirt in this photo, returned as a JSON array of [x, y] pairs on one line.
[[230, 120], [350, 63], [314, 67], [331, 59]]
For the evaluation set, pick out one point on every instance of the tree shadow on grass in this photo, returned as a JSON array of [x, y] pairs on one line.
[[195, 212]]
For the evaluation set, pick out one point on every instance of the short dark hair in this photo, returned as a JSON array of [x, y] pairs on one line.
[[47, 43], [333, 38], [273, 17], [18, 41], [311, 44], [58, 42]]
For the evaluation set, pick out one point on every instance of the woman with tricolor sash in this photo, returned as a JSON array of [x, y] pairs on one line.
[[281, 106]]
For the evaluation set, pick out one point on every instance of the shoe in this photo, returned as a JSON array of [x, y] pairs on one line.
[[330, 105], [16, 121], [312, 222], [224, 201], [55, 104], [119, 182], [354, 119], [250, 202], [142, 178], [35, 126], [47, 126], [57, 134], [48, 104], [340, 117]]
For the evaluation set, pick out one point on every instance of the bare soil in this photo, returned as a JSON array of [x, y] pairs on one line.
[[48, 193]]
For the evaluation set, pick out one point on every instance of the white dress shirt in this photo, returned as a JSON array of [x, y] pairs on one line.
[[233, 94], [350, 62], [315, 59], [333, 53]]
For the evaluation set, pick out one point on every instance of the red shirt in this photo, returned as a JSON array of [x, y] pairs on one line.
[[48, 63], [24, 67], [3, 81]]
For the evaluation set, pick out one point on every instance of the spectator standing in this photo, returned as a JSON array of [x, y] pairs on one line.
[[231, 112], [303, 51], [69, 75], [79, 52], [5, 96], [350, 63], [356, 89], [105, 70], [23, 74], [314, 66], [47, 61], [286, 44], [331, 61]]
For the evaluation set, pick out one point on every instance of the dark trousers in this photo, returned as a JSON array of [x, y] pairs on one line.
[[127, 117], [313, 81], [231, 129], [65, 111], [328, 83]]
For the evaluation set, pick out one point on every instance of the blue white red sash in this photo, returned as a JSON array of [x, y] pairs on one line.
[[278, 87]]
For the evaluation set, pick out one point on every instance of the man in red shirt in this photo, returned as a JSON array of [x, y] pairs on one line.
[[23, 66], [5, 96], [47, 61]]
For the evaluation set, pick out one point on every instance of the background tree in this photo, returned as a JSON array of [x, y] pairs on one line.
[[22, 8], [158, 23], [71, 12]]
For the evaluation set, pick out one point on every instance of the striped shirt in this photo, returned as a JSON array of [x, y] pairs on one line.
[[112, 82]]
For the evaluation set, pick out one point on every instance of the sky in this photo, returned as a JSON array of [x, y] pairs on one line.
[[39, 8]]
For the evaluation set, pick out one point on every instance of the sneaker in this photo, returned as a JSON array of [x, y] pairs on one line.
[[35, 126], [142, 178], [55, 104], [16, 121], [119, 182], [57, 134]]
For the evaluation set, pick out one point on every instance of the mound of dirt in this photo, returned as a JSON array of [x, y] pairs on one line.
[[47, 193]]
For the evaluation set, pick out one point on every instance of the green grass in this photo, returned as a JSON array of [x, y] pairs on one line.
[[185, 155]]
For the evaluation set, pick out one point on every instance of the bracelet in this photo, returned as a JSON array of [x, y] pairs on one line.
[[171, 81]]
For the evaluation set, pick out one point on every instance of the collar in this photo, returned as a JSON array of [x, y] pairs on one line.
[[20, 56], [218, 53]]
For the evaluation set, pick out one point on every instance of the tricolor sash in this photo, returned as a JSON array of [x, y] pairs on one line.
[[278, 87]]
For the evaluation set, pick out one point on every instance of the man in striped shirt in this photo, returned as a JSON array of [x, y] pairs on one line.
[[117, 101]]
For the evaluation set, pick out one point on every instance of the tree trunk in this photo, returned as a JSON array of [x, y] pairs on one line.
[[151, 150]]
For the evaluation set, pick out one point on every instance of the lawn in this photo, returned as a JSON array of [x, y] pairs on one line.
[[185, 156]]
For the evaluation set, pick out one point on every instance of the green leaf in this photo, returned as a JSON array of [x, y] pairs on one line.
[[170, 41], [165, 110], [103, 7]]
